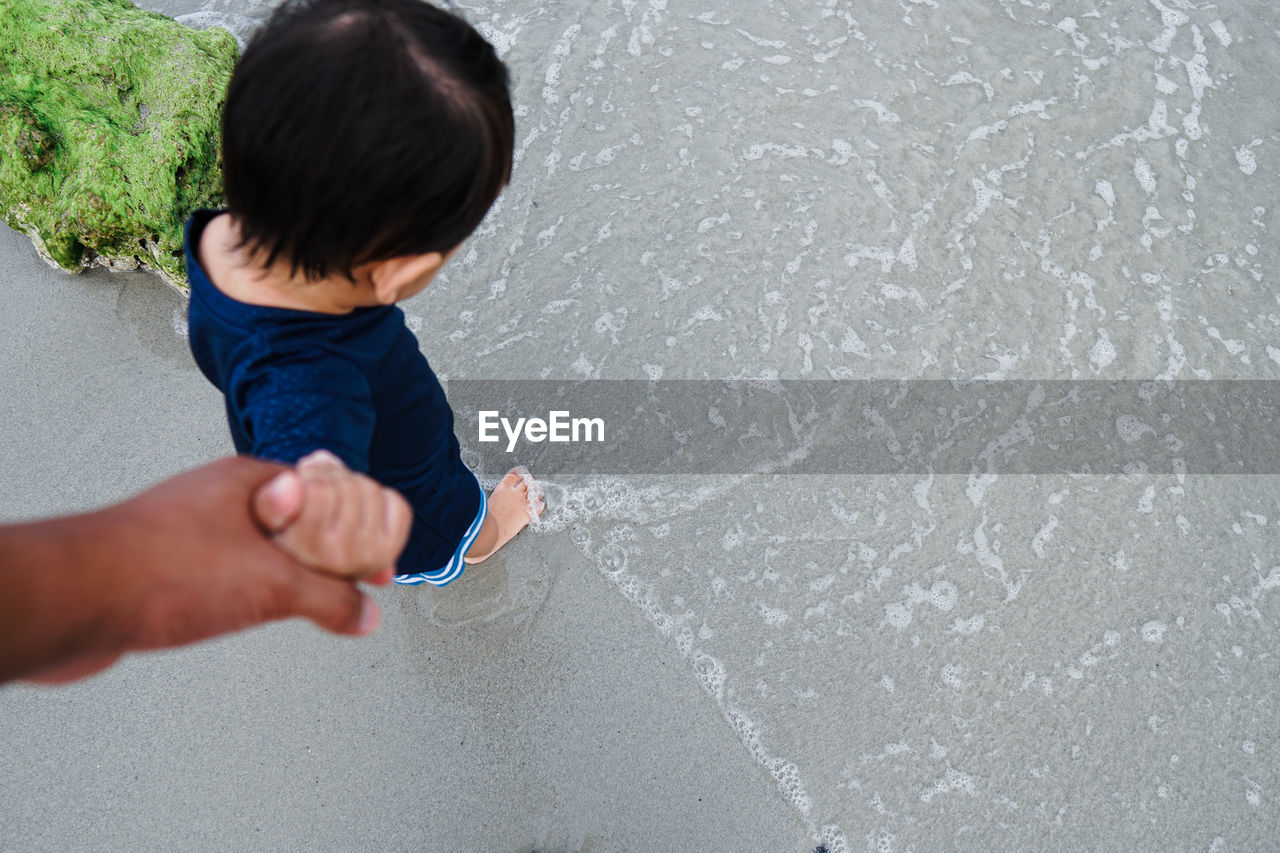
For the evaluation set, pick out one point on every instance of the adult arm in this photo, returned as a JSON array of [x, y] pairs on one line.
[[184, 561]]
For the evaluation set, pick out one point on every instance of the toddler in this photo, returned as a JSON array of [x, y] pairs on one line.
[[362, 142]]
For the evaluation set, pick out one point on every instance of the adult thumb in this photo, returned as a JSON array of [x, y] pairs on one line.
[[278, 503]]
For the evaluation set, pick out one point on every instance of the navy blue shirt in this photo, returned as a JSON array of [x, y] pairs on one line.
[[354, 384]]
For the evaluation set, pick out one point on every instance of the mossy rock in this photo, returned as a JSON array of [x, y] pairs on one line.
[[108, 130]]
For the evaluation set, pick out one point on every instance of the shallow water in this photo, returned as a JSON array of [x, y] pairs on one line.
[[913, 189]]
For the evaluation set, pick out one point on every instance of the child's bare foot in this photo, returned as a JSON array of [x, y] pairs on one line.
[[509, 513]]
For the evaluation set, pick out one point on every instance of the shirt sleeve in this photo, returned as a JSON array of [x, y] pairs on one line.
[[293, 404]]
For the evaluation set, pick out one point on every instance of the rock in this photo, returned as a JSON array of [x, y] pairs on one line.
[[108, 130]]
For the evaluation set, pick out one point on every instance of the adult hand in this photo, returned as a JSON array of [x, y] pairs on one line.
[[184, 561]]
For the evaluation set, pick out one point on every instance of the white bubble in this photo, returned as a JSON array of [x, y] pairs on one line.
[[897, 614], [1246, 159], [943, 594], [1145, 174], [611, 558], [1131, 428], [772, 615], [710, 672], [1146, 504], [971, 625], [1103, 352], [1106, 192]]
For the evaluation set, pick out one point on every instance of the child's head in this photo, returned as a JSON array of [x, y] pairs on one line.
[[363, 130]]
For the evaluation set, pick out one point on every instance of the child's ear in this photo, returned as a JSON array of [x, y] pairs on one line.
[[396, 278]]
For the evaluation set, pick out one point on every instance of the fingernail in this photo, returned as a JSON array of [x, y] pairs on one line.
[[370, 616], [276, 493]]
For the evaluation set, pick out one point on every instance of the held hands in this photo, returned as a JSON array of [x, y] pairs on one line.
[[335, 520], [228, 546]]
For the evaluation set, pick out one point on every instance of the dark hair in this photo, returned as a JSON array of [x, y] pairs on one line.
[[362, 130]]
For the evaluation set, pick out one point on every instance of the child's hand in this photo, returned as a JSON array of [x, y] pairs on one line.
[[333, 519]]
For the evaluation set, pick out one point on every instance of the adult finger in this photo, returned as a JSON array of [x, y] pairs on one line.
[[335, 604], [278, 504]]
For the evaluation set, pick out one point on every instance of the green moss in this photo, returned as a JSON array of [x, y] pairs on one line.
[[108, 130]]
